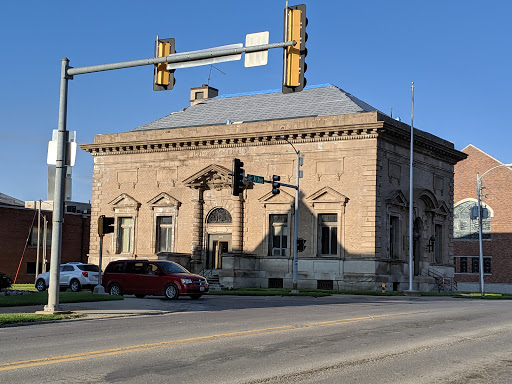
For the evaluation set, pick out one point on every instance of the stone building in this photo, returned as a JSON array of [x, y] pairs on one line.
[[496, 226], [168, 185]]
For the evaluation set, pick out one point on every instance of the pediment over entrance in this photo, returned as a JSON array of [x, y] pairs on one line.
[[213, 176], [397, 197], [282, 198], [443, 209], [327, 195], [164, 200], [125, 200]]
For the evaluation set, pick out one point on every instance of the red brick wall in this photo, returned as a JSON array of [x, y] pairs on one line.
[[498, 196], [15, 224]]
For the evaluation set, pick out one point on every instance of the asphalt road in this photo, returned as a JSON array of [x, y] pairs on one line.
[[230, 339]]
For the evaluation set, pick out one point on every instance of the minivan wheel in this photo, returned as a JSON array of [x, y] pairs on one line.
[[40, 285], [115, 290], [171, 292], [74, 285]]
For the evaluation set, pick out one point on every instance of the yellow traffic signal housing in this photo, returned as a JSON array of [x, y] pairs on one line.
[[294, 58], [105, 225], [163, 79]]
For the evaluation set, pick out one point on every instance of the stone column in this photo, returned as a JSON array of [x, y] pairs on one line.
[[197, 226], [238, 223]]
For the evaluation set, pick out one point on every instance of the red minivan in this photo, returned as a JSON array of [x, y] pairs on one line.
[[148, 277]]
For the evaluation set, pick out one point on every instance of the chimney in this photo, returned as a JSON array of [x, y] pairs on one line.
[[201, 93]]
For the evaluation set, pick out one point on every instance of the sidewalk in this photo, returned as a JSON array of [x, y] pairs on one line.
[[100, 309]]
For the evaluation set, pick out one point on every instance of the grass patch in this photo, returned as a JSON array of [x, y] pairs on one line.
[[41, 298], [18, 318], [24, 287], [488, 296]]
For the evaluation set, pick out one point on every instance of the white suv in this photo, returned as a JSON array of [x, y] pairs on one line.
[[72, 275]]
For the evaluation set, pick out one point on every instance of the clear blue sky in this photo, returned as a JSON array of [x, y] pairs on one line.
[[457, 52]]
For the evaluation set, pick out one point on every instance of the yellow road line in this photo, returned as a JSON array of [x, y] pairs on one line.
[[142, 347]]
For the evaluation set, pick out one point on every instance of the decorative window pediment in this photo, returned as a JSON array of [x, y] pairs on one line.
[[164, 200], [282, 198], [125, 201], [397, 197], [213, 176], [443, 209], [327, 195]]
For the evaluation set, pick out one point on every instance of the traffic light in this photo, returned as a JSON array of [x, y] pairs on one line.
[[105, 225], [295, 22], [301, 245], [238, 177], [275, 184], [163, 79]]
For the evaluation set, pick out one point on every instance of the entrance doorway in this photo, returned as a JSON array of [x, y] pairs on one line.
[[217, 245], [417, 245]]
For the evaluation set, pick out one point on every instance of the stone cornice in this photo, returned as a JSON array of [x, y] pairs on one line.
[[331, 133], [308, 130]]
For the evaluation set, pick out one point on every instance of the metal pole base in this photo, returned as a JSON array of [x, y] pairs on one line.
[[412, 292], [99, 290], [52, 310]]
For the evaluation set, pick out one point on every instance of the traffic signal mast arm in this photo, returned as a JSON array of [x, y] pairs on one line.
[[282, 184], [178, 58]]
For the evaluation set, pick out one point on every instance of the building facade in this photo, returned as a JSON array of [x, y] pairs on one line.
[[168, 185], [496, 223]]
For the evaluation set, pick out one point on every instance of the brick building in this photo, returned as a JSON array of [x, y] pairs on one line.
[[18, 239], [496, 228], [168, 185]]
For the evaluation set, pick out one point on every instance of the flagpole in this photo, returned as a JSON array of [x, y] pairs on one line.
[[411, 202]]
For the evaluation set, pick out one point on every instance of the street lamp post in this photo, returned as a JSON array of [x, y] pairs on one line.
[[479, 202], [295, 264]]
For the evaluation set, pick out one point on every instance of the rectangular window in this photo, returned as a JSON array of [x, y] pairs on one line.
[[487, 265], [31, 268], [327, 234], [275, 283], [393, 237], [34, 233], [278, 235], [463, 265], [325, 284], [125, 232], [475, 265], [164, 233]]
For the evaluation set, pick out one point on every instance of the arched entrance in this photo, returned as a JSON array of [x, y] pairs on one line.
[[218, 229]]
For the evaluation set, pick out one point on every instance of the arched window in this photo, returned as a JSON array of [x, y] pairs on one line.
[[466, 228], [219, 216]]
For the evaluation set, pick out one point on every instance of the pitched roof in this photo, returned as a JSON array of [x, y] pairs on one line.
[[320, 100], [8, 200]]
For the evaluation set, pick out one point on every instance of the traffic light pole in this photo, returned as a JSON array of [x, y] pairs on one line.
[[58, 203], [67, 73], [99, 288]]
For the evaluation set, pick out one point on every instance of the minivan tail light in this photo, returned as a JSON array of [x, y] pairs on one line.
[[85, 274]]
